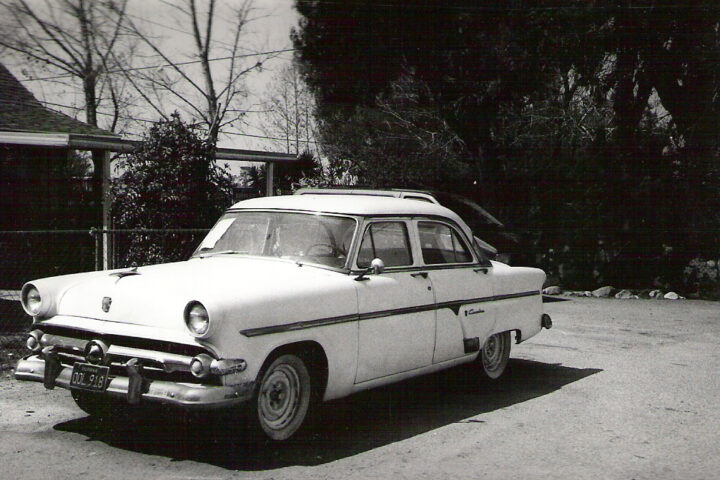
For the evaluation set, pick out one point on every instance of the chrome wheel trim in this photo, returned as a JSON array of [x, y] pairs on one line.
[[494, 355], [279, 397]]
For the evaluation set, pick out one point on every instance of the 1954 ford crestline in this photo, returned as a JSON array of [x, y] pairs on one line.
[[287, 301]]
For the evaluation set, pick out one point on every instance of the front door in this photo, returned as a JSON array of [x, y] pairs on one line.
[[396, 308]]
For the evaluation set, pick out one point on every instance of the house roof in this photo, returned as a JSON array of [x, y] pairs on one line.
[[20, 111], [26, 121]]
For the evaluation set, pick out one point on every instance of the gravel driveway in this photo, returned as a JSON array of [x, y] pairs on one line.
[[618, 389]]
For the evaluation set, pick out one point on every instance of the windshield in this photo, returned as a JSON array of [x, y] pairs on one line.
[[302, 237]]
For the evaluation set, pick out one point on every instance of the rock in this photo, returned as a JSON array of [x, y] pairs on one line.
[[555, 290], [624, 294], [655, 294], [671, 296], [587, 293], [602, 292]]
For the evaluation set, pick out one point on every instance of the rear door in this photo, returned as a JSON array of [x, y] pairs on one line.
[[463, 289]]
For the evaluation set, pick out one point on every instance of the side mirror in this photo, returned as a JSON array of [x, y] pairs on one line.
[[376, 267]]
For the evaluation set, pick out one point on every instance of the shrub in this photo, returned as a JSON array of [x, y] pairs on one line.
[[170, 182]]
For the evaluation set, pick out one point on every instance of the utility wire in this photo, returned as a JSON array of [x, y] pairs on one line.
[[465, 8], [178, 30], [155, 121], [98, 112], [293, 140], [150, 67]]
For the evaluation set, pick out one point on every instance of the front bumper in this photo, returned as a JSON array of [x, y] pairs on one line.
[[188, 395]]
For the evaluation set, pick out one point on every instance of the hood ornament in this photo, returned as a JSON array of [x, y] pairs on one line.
[[106, 302], [126, 273]]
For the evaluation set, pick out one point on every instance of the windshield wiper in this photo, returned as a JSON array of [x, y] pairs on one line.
[[220, 252]]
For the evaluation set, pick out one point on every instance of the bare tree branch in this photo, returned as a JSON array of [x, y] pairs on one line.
[[31, 14], [136, 31], [66, 35]]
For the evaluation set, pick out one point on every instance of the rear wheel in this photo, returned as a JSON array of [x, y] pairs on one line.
[[283, 397], [494, 355]]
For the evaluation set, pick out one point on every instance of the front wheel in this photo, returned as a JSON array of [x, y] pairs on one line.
[[495, 354], [96, 405], [283, 397]]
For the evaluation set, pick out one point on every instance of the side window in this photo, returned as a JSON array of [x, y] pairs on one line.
[[441, 244], [385, 240]]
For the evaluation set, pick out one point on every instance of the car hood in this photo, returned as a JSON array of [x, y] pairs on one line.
[[249, 292]]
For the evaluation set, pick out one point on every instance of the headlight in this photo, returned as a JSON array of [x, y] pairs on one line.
[[31, 300], [197, 319]]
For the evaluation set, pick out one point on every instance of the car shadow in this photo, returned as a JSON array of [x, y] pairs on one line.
[[344, 427]]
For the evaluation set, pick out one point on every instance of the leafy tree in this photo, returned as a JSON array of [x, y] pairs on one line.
[[288, 177], [170, 182], [400, 140], [474, 58], [593, 125]]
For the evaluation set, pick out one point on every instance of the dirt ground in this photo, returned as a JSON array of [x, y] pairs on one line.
[[618, 389]]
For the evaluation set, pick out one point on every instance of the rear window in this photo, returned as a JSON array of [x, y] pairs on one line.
[[441, 244]]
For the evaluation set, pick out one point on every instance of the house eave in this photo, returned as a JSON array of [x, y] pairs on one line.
[[63, 140], [117, 144], [235, 154]]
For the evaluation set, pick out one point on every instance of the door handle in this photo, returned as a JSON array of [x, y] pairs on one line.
[[419, 274], [481, 269]]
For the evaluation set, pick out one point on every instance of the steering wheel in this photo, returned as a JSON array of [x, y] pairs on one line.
[[331, 253]]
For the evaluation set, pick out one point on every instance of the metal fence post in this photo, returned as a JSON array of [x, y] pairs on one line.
[[106, 212], [98, 248], [269, 180]]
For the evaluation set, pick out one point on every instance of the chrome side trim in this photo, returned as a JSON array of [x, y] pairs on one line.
[[321, 322], [454, 305]]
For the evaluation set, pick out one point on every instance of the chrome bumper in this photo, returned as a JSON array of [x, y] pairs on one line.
[[187, 395]]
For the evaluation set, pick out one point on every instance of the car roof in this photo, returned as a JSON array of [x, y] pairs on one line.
[[398, 193], [363, 205], [472, 212]]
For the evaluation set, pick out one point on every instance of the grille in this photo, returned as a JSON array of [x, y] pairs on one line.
[[144, 343], [152, 370]]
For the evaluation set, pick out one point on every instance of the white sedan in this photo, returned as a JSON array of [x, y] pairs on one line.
[[287, 302]]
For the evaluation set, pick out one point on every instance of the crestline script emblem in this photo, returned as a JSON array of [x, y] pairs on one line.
[[106, 301]]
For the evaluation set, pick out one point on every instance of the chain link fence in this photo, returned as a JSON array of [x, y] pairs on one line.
[[31, 254]]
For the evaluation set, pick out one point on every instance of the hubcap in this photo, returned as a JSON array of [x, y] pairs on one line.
[[279, 396], [492, 353]]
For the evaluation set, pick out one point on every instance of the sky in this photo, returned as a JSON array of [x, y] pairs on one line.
[[268, 30]]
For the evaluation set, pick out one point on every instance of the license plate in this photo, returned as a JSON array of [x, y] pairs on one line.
[[87, 376]]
